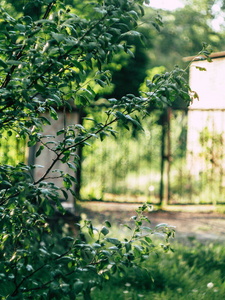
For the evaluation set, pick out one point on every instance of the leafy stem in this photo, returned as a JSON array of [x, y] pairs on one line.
[[15, 292], [20, 53], [65, 55]]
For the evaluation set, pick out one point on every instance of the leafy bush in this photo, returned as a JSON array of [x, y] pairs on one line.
[[37, 266]]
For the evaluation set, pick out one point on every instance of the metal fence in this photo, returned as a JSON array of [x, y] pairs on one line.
[[178, 159]]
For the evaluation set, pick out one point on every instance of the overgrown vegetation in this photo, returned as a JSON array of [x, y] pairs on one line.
[[193, 272], [48, 66], [50, 62]]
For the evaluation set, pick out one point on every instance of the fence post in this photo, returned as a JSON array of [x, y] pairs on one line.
[[169, 112], [163, 123], [81, 115]]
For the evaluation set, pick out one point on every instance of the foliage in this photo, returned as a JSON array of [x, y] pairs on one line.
[[44, 270], [49, 65], [183, 32], [194, 271]]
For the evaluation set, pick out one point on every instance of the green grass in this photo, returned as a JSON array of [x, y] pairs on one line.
[[196, 271]]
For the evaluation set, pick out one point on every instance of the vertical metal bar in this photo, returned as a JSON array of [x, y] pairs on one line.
[[169, 113], [221, 158], [161, 191], [81, 114]]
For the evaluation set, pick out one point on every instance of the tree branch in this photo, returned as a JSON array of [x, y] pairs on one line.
[[73, 146]]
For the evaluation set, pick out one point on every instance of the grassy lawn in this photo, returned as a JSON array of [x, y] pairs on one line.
[[195, 271]]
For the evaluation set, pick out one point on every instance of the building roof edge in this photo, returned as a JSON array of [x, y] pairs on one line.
[[202, 57]]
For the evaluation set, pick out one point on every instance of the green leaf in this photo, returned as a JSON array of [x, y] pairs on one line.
[[67, 183], [71, 166], [103, 135], [138, 248], [106, 253], [5, 184], [79, 126], [148, 240], [96, 245], [67, 239], [65, 194], [100, 82], [90, 231], [33, 140], [40, 88], [60, 132], [104, 230], [156, 77], [39, 150], [161, 225], [121, 116], [135, 122], [60, 207], [14, 62], [79, 138], [113, 100], [47, 207], [53, 113], [44, 21], [125, 225], [200, 68], [58, 36], [3, 64], [127, 246], [146, 228], [113, 248], [29, 268], [81, 100], [113, 241], [45, 121], [107, 223], [131, 33]]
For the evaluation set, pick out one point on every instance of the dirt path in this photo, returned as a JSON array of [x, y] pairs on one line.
[[192, 223]]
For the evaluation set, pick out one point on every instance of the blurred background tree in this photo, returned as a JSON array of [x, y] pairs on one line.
[[182, 34]]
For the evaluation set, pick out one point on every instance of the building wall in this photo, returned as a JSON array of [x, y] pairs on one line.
[[47, 156], [208, 84], [206, 117]]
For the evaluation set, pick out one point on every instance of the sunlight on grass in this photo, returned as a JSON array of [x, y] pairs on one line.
[[192, 272]]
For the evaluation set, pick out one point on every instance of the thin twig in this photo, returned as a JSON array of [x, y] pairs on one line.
[[73, 146]]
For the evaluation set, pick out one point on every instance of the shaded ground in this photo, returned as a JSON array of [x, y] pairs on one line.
[[195, 222]]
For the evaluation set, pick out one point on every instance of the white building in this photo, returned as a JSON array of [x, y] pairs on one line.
[[206, 117]]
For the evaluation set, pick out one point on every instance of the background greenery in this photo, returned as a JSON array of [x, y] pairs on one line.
[[194, 271], [40, 262]]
